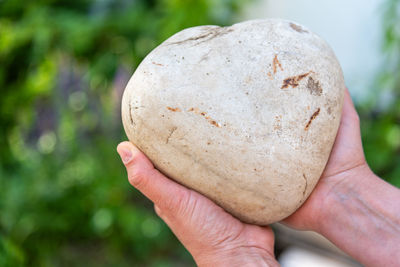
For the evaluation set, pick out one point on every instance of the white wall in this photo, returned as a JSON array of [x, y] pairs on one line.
[[351, 27]]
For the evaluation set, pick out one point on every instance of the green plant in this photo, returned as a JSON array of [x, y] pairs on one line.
[[380, 117]]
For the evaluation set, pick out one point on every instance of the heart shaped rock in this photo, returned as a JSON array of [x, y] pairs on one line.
[[246, 115]]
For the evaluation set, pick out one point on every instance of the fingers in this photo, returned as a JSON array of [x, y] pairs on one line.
[[189, 214], [174, 203], [349, 113], [203, 227], [349, 124], [142, 175]]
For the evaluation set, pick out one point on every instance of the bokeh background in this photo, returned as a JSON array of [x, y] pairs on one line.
[[64, 196]]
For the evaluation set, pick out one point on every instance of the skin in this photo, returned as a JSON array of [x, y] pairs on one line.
[[350, 206]]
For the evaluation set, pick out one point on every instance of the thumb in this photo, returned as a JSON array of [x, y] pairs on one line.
[[163, 192]]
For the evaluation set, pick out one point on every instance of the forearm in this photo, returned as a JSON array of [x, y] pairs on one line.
[[364, 219]]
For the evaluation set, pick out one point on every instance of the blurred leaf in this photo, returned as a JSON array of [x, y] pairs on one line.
[[381, 117]]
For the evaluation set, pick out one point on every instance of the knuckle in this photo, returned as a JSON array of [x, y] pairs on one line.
[[179, 202], [186, 205], [138, 178], [136, 160], [137, 175]]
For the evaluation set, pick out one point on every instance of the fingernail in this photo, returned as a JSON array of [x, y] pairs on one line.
[[125, 154]]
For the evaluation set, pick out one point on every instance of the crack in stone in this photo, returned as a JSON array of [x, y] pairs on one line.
[[214, 32], [306, 185], [205, 56], [171, 132], [130, 112]]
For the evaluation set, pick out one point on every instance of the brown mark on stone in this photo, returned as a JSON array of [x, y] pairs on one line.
[[270, 76], [297, 28], [313, 116], [314, 86], [248, 79], [204, 114], [216, 124], [278, 123], [158, 64], [171, 132], [330, 106], [276, 63], [174, 109], [293, 81]]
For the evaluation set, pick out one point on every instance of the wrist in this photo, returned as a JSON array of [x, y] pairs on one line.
[[243, 256], [343, 187], [361, 216]]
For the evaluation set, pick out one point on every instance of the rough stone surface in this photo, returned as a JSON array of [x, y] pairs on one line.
[[246, 115]]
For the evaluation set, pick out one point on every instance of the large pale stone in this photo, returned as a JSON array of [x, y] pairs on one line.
[[246, 115]]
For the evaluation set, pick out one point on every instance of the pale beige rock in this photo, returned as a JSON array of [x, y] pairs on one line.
[[246, 115]]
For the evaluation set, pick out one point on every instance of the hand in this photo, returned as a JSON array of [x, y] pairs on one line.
[[350, 205], [346, 162], [212, 236]]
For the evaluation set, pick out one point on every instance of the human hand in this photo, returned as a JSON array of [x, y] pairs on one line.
[[345, 163], [350, 205], [211, 235]]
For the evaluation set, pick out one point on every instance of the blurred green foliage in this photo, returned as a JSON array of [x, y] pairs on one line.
[[380, 117], [64, 196]]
